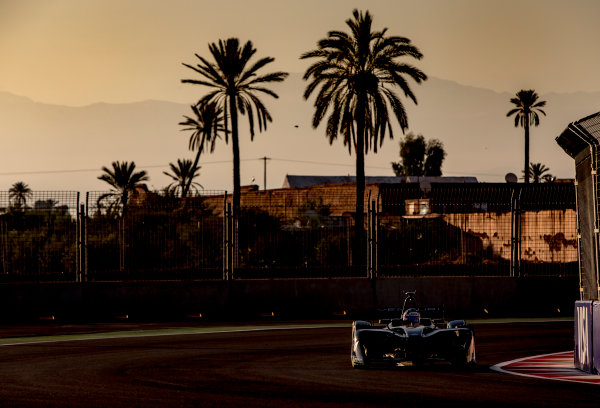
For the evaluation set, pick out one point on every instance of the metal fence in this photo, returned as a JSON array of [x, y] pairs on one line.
[[295, 234], [39, 236], [478, 229], [152, 237]]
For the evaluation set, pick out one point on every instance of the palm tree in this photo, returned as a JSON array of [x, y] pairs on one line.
[[235, 85], [357, 74], [123, 179], [183, 175], [526, 114], [206, 127], [539, 172], [19, 192]]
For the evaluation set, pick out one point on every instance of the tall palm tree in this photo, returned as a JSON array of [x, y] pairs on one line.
[[357, 74], [183, 175], [206, 127], [19, 192], [526, 114], [123, 179], [235, 84]]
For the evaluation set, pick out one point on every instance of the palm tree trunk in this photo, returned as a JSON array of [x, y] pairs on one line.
[[359, 252], [236, 154], [359, 247], [526, 149], [186, 189]]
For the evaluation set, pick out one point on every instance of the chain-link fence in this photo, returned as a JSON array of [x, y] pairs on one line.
[[478, 229], [296, 233], [38, 235], [152, 236]]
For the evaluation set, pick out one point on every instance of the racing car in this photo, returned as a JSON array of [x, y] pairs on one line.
[[412, 338]]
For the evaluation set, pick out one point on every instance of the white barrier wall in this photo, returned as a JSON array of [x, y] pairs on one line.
[[587, 336], [596, 336]]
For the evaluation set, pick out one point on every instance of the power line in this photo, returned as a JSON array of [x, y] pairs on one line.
[[19, 173], [313, 162], [376, 167], [328, 163]]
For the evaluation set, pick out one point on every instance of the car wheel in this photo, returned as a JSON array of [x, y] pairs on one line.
[[365, 359]]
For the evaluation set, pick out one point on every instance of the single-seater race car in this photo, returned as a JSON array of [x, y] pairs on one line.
[[412, 338]]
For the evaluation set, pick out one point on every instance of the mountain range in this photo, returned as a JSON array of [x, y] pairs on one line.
[[52, 147]]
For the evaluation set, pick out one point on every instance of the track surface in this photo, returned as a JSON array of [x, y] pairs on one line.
[[271, 368]]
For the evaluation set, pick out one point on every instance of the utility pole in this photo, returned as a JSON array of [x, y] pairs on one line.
[[264, 159]]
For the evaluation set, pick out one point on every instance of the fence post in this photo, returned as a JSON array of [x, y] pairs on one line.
[[515, 229], [369, 239], [227, 241], [78, 241], [372, 237], [82, 271]]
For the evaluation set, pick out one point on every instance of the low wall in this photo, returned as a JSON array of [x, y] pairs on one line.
[[300, 298]]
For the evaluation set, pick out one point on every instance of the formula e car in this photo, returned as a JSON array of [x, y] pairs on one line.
[[412, 338]]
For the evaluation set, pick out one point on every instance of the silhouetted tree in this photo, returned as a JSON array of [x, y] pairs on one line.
[[19, 192], [356, 74], [419, 158], [206, 126], [539, 173], [49, 204], [183, 175], [123, 179], [235, 85], [526, 114]]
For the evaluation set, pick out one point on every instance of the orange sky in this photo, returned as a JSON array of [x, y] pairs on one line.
[[78, 52]]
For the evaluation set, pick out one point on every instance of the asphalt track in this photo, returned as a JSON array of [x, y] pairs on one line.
[[299, 367]]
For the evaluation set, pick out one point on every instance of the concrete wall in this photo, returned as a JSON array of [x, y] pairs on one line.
[[302, 298]]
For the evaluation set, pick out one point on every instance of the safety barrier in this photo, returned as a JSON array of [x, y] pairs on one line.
[[587, 336], [335, 298]]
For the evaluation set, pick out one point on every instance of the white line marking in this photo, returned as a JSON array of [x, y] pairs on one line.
[[109, 336]]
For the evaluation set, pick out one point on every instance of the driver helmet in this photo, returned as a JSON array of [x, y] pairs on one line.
[[411, 317]]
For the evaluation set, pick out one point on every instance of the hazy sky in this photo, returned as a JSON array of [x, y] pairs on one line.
[[77, 52]]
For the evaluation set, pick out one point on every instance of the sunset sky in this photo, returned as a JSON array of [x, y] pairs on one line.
[[81, 52], [76, 52]]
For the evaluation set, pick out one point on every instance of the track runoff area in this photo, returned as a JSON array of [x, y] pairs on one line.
[[555, 366]]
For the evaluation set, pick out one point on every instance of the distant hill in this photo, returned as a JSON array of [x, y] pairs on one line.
[[471, 122]]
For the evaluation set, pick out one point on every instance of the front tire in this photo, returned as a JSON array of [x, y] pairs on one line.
[[365, 364]]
